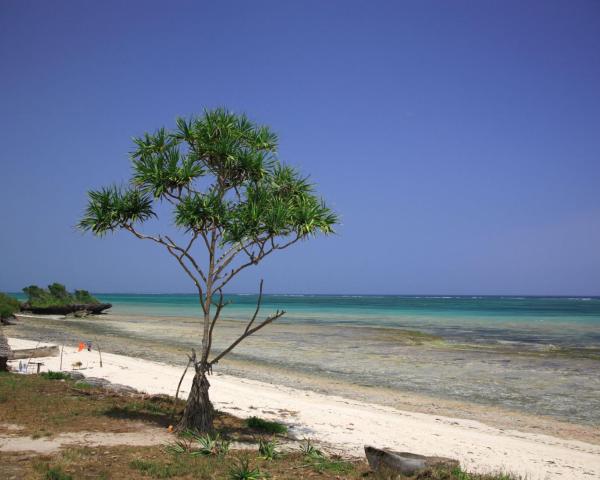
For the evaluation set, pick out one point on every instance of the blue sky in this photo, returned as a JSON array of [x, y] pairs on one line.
[[459, 141]]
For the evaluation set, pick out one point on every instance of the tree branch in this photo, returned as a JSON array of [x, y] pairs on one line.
[[184, 253], [246, 334], [191, 359], [258, 302], [172, 247], [220, 306], [255, 260]]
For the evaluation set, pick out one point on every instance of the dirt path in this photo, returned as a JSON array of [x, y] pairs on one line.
[[143, 437]]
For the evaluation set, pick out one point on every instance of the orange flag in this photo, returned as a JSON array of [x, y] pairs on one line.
[[81, 347]]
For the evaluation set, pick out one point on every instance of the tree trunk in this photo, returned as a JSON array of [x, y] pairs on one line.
[[199, 413]]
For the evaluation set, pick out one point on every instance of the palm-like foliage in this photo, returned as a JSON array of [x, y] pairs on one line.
[[112, 208], [221, 174], [250, 194]]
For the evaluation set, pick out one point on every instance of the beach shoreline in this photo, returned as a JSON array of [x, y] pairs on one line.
[[539, 393], [347, 425]]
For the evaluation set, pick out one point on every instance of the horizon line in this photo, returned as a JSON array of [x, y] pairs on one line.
[[431, 295]]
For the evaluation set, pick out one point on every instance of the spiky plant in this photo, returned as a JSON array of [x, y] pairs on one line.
[[230, 194], [268, 449]]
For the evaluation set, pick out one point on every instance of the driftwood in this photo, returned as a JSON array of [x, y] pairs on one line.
[[51, 351], [92, 308], [391, 465]]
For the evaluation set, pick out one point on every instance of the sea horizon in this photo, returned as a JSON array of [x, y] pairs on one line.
[[346, 294]]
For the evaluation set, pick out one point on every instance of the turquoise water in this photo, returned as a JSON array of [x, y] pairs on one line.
[[571, 321]]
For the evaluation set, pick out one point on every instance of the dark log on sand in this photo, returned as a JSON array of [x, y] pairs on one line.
[[389, 464], [51, 351], [92, 308]]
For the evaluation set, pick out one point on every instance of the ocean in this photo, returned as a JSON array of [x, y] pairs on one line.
[[532, 321]]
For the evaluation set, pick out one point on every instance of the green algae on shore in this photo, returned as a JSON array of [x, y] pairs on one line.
[[407, 337]]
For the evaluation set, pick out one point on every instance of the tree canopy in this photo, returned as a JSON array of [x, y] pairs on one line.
[[247, 196]]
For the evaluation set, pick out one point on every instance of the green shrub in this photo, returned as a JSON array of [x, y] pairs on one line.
[[8, 305], [59, 292], [56, 295], [83, 296], [55, 375], [265, 425]]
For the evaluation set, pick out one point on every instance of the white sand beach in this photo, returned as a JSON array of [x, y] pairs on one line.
[[347, 425]]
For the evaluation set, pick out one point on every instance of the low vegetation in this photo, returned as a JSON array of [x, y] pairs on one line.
[[56, 295], [265, 426], [268, 449], [50, 404], [8, 306], [50, 375]]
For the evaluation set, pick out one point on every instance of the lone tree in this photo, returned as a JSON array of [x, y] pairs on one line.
[[230, 196]]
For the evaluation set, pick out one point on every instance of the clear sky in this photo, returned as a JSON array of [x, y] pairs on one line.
[[459, 141]]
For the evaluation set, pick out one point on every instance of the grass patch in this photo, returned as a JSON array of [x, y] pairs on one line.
[[34, 400], [161, 469], [320, 462], [265, 426], [56, 473], [49, 472], [50, 375]]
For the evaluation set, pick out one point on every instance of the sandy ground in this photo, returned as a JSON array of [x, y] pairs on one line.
[[143, 437], [349, 424]]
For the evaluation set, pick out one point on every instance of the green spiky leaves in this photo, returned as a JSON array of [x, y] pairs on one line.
[[202, 212], [220, 173], [113, 208], [160, 168], [230, 146], [281, 204]]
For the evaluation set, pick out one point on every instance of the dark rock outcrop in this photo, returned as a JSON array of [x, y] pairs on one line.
[[103, 383], [94, 382], [91, 308], [391, 465]]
